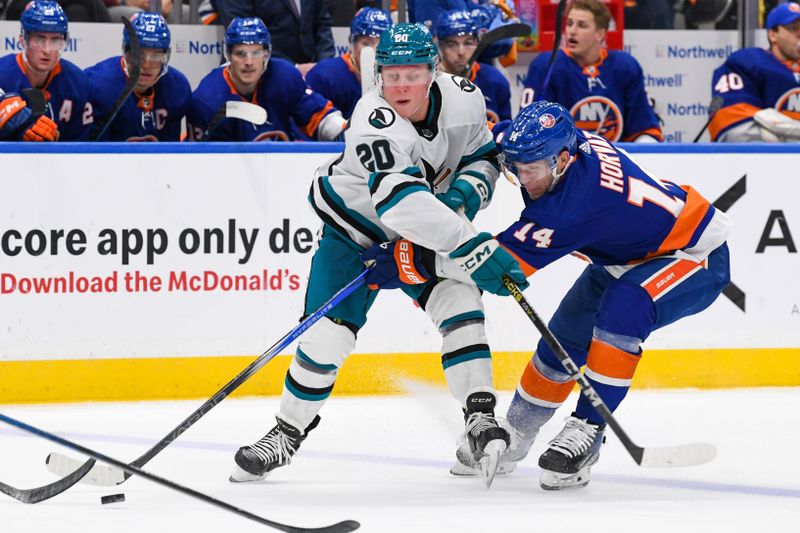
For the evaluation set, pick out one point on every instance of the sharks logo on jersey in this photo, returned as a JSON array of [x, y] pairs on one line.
[[463, 83], [598, 115], [381, 117]]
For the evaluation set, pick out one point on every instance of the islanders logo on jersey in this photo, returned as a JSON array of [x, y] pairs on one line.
[[598, 115], [789, 103], [381, 117]]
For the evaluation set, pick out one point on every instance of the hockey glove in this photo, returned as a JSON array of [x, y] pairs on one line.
[[398, 263], [42, 130], [15, 116], [487, 262], [499, 133], [469, 191]]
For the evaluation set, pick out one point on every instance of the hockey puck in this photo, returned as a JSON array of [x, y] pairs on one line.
[[112, 498]]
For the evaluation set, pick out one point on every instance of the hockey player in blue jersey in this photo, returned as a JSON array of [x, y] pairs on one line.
[[456, 34], [760, 89], [657, 252], [251, 75], [339, 78], [18, 123], [43, 37], [413, 135], [603, 89], [160, 100]]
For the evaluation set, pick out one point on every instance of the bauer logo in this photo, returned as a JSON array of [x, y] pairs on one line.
[[381, 117], [693, 52]]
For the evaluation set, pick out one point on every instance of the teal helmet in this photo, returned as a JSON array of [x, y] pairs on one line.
[[406, 44]]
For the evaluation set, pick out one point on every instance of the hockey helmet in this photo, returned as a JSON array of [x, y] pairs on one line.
[[43, 16], [455, 22], [369, 22], [151, 29]]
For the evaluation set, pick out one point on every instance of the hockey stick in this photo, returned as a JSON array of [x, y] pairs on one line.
[[108, 476], [341, 527], [562, 4], [134, 71], [713, 107], [508, 31], [366, 69], [255, 114], [36, 101], [696, 453]]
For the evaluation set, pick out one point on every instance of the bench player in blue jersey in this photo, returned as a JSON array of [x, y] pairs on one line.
[[760, 89], [339, 78], [603, 89], [17, 122], [657, 252], [43, 36], [275, 84], [456, 33], [160, 100]]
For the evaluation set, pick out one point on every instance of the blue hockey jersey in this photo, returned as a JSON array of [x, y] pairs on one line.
[[496, 91], [153, 116], [607, 98], [66, 91], [752, 79], [607, 210], [335, 79], [281, 91]]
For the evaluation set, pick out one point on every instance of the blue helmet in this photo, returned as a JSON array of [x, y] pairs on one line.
[[247, 30], [45, 16], [540, 131], [370, 22], [406, 44], [151, 29], [455, 22]]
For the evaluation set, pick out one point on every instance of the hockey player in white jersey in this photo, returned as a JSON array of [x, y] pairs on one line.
[[416, 135]]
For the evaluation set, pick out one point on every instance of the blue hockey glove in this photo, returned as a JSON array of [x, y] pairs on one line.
[[468, 191], [17, 122], [398, 263], [487, 262]]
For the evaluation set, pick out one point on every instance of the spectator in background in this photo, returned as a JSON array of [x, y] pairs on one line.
[[456, 34], [339, 78], [75, 10], [300, 29], [43, 37], [126, 8], [649, 14], [603, 90], [251, 75], [160, 100], [759, 89]]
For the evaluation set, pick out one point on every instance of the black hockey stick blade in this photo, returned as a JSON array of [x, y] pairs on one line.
[[508, 31], [40, 494], [134, 72], [341, 527], [36, 101], [562, 4], [667, 456], [713, 107]]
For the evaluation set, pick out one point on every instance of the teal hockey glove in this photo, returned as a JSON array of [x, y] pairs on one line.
[[487, 262]]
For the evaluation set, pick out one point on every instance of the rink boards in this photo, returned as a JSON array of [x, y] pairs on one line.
[[141, 271]]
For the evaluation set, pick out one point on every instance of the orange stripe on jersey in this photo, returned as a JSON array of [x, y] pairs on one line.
[[474, 71], [686, 224], [669, 276], [227, 77], [610, 361], [316, 118], [653, 132], [536, 385], [728, 116], [350, 64], [55, 71], [527, 269]]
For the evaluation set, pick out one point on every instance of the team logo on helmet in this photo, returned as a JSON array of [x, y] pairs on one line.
[[464, 84], [381, 117], [789, 103], [547, 120], [598, 115]]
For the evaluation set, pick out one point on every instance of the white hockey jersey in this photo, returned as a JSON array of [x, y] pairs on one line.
[[382, 186]]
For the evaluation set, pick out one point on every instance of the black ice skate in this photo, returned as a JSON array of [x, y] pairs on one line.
[[273, 450], [569, 457], [484, 441], [518, 447]]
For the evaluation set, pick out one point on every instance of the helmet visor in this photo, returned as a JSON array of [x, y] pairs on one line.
[[525, 173], [402, 75], [46, 42]]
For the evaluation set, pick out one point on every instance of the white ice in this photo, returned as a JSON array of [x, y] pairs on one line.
[[384, 461]]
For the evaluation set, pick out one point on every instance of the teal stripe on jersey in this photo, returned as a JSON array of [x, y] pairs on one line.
[[411, 171], [466, 357], [471, 315], [355, 215], [311, 397], [477, 154], [392, 200]]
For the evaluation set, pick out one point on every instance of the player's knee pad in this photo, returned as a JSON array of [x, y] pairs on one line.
[[452, 302], [325, 346], [550, 365], [626, 309]]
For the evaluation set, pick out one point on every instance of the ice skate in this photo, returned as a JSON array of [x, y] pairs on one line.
[[570, 455], [518, 447], [273, 450], [483, 442]]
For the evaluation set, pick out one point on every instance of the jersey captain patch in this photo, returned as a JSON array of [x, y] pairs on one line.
[[381, 117], [598, 115]]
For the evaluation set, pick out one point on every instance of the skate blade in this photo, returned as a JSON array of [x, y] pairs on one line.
[[240, 475], [462, 470], [491, 461], [558, 481]]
